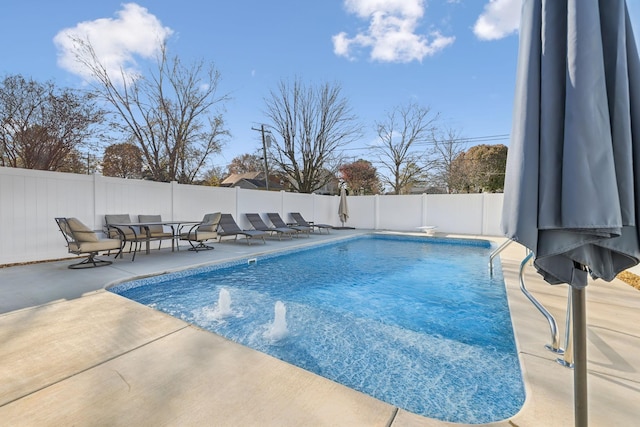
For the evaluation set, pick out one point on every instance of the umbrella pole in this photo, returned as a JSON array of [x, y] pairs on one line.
[[580, 356]]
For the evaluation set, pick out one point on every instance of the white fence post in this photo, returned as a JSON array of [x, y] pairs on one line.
[[172, 198], [235, 214], [424, 209], [96, 201], [376, 212]]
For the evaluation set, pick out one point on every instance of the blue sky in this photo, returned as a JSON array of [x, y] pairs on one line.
[[457, 57]]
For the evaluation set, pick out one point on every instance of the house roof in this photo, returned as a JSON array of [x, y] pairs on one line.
[[232, 179], [251, 180]]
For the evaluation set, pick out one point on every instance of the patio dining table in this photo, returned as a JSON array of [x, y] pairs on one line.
[[175, 225]]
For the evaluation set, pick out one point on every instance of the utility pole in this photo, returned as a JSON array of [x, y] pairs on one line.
[[264, 153]]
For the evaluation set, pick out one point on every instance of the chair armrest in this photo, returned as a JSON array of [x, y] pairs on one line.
[[193, 231], [121, 234]]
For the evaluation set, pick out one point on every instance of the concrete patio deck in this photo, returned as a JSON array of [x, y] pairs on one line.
[[74, 354]]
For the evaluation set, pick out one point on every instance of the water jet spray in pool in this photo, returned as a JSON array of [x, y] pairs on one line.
[[223, 308], [278, 329]]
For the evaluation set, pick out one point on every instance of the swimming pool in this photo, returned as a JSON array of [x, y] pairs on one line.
[[418, 323]]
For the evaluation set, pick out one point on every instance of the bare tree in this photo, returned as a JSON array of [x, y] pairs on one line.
[[41, 126], [404, 145], [448, 146], [312, 123], [174, 115]]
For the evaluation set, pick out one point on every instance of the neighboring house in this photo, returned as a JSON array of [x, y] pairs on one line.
[[255, 181], [251, 181], [234, 178], [330, 188], [423, 188]]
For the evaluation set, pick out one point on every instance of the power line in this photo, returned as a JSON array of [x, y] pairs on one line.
[[486, 138], [500, 137]]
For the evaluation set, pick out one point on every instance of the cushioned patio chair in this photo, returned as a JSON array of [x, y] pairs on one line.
[[126, 233], [229, 227], [157, 232], [200, 233], [277, 221], [81, 240], [258, 224], [300, 221]]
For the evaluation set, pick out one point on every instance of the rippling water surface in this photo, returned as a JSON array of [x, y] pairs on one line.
[[417, 323]]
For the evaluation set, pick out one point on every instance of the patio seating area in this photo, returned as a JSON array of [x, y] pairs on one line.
[[121, 232], [74, 354]]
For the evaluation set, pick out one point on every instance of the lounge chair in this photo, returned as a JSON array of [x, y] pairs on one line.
[[300, 221], [258, 224], [277, 221], [229, 227], [157, 232], [117, 228], [200, 233], [82, 240]]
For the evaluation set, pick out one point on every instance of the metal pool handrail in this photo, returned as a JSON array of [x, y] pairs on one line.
[[567, 359], [555, 338], [496, 252]]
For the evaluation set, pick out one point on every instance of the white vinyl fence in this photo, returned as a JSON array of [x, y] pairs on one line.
[[30, 200]]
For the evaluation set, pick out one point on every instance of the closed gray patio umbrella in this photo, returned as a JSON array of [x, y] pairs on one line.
[[574, 157], [343, 208]]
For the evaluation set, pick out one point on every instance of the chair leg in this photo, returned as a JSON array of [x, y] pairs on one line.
[[90, 262], [117, 253], [199, 247]]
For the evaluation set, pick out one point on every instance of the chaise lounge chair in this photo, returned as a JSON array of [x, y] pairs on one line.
[[200, 233], [300, 221], [229, 227], [258, 224], [82, 240], [277, 221]]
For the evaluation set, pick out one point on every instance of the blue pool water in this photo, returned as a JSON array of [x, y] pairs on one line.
[[417, 323]]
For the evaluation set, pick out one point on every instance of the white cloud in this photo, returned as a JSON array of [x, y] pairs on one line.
[[117, 42], [499, 19], [366, 8], [391, 36]]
